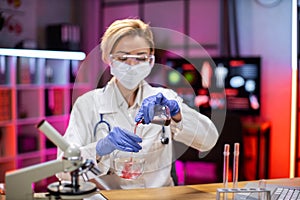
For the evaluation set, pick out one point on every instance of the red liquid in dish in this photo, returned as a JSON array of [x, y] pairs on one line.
[[127, 172]]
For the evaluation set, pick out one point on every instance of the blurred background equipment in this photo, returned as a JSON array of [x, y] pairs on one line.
[[63, 37]]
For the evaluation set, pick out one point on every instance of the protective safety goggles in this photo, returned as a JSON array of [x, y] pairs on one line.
[[137, 58]]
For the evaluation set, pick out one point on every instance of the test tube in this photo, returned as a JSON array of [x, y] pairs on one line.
[[236, 154], [226, 165], [262, 185]]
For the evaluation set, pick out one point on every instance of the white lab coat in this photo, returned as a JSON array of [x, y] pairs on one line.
[[194, 130]]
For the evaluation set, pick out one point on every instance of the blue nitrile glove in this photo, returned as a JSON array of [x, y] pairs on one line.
[[120, 139], [146, 110]]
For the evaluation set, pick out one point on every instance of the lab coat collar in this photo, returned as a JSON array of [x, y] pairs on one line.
[[107, 99]]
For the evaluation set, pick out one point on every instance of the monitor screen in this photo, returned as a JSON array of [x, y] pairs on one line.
[[217, 83]]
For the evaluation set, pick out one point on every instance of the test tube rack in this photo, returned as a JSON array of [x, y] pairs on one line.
[[243, 193]]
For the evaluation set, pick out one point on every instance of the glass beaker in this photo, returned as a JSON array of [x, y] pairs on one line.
[[128, 165], [161, 115]]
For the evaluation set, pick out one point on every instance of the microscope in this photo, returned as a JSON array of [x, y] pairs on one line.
[[18, 183]]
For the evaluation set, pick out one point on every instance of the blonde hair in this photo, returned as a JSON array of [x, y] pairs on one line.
[[120, 28]]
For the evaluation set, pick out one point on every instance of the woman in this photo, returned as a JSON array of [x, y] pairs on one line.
[[128, 48]]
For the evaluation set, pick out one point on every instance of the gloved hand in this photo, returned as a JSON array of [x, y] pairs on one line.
[[120, 139], [146, 110]]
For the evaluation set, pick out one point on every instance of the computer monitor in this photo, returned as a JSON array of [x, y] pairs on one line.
[[218, 83]]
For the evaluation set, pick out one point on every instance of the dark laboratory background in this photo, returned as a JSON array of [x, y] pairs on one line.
[[230, 60]]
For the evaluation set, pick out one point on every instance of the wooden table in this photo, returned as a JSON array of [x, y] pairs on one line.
[[188, 192]]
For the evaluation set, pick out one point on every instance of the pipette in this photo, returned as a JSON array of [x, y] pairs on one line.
[[236, 154], [226, 165]]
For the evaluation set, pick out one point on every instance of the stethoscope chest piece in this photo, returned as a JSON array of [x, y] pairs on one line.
[[164, 139]]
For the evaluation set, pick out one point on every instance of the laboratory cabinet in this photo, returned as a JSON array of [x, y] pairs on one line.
[[34, 85]]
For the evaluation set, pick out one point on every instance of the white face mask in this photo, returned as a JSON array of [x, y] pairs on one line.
[[130, 75]]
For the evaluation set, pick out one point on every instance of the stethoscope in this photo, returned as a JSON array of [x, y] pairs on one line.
[[101, 121], [163, 139]]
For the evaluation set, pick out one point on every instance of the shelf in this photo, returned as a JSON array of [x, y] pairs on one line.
[[5, 159], [51, 155], [26, 121], [6, 110], [56, 101], [28, 138], [35, 85], [4, 71], [28, 105], [27, 71], [29, 87], [6, 166], [29, 161], [57, 71], [7, 137]]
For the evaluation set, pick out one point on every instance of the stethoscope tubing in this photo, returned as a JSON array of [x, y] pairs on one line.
[[164, 139], [101, 121]]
